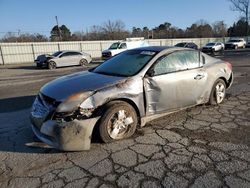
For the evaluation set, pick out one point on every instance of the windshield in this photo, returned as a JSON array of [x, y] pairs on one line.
[[56, 53], [125, 64], [114, 45], [182, 44], [210, 44]]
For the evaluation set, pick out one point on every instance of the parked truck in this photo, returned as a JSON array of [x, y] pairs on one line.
[[120, 46]]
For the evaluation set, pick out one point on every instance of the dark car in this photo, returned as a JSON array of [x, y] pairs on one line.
[[248, 44], [187, 45]]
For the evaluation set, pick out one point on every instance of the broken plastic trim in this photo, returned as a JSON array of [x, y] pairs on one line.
[[67, 136]]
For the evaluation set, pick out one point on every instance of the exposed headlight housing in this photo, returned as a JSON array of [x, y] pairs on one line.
[[73, 102]]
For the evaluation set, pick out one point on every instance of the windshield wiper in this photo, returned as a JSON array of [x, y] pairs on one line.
[[110, 74]]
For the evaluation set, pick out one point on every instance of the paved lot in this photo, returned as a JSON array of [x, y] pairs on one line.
[[205, 146]]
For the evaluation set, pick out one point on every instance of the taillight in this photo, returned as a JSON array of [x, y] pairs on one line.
[[229, 65]]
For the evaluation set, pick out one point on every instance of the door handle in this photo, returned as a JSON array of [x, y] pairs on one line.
[[199, 76]]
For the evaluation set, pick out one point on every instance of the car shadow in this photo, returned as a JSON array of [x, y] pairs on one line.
[[15, 129], [16, 134], [25, 67], [34, 67], [16, 103]]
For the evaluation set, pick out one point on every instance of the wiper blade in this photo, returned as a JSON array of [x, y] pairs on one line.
[[110, 74]]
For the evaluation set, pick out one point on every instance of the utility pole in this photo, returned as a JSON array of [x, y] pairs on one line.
[[18, 34], [82, 35], [87, 34], [59, 31]]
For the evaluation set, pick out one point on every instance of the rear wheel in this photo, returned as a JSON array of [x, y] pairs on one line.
[[221, 51], [51, 65], [218, 92], [83, 62], [236, 47], [118, 122]]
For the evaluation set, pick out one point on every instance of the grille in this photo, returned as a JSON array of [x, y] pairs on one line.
[[43, 107], [107, 54]]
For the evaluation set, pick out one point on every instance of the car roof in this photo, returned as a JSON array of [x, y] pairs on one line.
[[185, 42], [162, 48], [63, 51], [157, 48]]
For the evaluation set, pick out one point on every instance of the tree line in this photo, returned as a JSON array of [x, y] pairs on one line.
[[115, 30]]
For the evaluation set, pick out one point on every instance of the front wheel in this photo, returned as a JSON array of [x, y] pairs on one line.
[[118, 122], [83, 62], [218, 92], [51, 65]]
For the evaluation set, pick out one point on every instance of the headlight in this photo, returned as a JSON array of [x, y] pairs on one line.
[[73, 102]]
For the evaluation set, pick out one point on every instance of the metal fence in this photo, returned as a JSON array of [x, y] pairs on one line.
[[16, 53]]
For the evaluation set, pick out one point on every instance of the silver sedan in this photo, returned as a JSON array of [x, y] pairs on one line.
[[62, 59], [125, 93]]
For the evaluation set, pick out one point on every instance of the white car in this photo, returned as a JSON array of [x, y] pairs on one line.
[[63, 59], [118, 47], [213, 47], [235, 44]]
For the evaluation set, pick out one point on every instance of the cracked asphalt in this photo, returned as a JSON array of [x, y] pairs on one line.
[[204, 146]]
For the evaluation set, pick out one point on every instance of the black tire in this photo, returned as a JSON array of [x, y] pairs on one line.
[[236, 47], [125, 126], [51, 65], [83, 62], [218, 92], [213, 52], [222, 51]]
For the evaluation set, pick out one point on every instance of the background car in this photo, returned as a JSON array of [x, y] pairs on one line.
[[248, 44], [213, 47], [122, 46], [124, 93], [62, 59], [187, 45], [235, 44]]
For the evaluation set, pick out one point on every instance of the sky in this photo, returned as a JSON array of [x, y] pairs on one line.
[[38, 16]]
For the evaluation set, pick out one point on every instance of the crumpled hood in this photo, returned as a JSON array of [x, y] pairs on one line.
[[106, 51], [44, 57], [66, 86]]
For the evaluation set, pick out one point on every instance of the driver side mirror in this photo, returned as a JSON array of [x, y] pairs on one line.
[[150, 73]]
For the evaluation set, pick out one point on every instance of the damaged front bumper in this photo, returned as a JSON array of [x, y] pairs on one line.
[[67, 136]]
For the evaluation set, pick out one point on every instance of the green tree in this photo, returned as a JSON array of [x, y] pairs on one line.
[[61, 33], [136, 32], [65, 33], [242, 6], [238, 29], [200, 29]]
